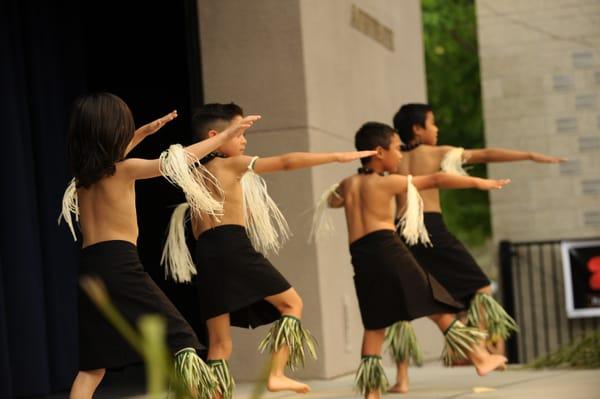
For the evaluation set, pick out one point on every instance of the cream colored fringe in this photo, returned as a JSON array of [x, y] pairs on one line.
[[453, 161], [176, 257], [266, 226], [321, 220], [70, 205], [181, 168], [412, 223]]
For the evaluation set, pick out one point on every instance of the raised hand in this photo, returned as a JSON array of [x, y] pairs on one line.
[[153, 127], [238, 128], [353, 155], [491, 184], [541, 158]]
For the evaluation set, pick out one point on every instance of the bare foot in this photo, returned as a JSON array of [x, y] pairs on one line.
[[283, 383], [502, 367], [489, 364], [400, 387], [373, 394]]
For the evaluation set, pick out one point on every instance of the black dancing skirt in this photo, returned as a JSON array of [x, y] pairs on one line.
[[234, 278], [449, 261], [134, 294], [390, 285]]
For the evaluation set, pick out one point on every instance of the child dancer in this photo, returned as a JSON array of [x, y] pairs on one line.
[[102, 197], [390, 285], [447, 259], [236, 284]]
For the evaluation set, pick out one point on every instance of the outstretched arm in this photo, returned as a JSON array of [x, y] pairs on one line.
[[451, 181], [149, 129], [136, 168], [299, 160], [486, 155], [295, 160]]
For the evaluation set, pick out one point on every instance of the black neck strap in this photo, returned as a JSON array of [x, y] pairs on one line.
[[211, 156], [365, 170], [409, 147]]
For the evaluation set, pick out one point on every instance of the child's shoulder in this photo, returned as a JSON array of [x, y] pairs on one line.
[[391, 182], [349, 179], [393, 178], [122, 170], [240, 159], [432, 151], [432, 148], [440, 149], [346, 183], [235, 163]]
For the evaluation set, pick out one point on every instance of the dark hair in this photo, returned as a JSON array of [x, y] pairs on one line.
[[212, 117], [372, 135], [409, 115], [100, 128]]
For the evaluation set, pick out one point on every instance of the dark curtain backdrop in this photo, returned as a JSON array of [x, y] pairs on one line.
[[51, 52]]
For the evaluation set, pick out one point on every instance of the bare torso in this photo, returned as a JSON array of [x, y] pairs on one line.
[[423, 160], [368, 205], [233, 206], [107, 210]]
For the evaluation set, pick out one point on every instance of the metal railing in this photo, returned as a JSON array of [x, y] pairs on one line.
[[533, 293]]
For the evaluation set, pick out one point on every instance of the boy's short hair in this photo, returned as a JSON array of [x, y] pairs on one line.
[[100, 129], [213, 116], [409, 115], [372, 135]]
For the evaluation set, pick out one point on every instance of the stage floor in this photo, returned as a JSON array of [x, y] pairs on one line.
[[429, 382]]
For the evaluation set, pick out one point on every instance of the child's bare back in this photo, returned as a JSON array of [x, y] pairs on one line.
[[424, 160], [368, 202], [107, 210]]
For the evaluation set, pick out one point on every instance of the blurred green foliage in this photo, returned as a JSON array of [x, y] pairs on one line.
[[454, 91], [583, 353]]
